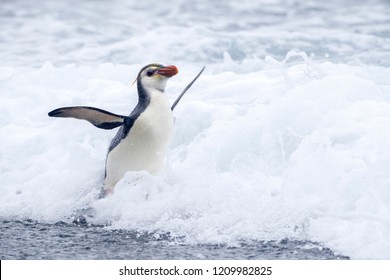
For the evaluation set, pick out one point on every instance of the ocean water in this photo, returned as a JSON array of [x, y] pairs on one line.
[[281, 149]]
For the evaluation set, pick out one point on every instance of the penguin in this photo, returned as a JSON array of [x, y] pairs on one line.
[[143, 138]]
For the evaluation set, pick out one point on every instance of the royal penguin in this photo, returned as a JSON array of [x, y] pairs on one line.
[[143, 138]]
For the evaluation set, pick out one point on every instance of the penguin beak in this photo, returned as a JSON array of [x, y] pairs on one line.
[[168, 71]]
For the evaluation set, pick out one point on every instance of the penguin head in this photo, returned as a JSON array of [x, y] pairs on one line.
[[155, 76]]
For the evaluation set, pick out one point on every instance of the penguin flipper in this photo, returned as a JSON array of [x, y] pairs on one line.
[[98, 117], [186, 88]]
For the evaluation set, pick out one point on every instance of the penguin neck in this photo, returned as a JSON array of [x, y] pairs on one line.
[[146, 93]]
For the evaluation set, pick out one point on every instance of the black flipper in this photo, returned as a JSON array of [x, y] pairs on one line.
[[98, 117], [187, 87]]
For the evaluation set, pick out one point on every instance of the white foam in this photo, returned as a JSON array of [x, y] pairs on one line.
[[253, 157]]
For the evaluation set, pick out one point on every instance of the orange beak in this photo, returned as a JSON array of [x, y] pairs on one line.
[[168, 71]]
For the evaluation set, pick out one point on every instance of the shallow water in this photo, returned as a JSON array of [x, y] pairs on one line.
[[280, 148], [67, 241]]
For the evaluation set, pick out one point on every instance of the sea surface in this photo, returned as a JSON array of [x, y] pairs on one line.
[[67, 241], [281, 149]]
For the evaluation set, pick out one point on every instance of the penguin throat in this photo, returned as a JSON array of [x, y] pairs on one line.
[[148, 91]]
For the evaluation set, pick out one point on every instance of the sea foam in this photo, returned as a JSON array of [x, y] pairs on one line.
[[299, 149]]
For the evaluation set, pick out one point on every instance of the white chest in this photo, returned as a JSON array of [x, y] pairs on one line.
[[146, 144]]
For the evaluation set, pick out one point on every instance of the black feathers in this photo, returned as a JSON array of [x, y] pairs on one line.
[[98, 117]]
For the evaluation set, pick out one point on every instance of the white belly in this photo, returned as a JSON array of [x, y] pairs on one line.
[[146, 144]]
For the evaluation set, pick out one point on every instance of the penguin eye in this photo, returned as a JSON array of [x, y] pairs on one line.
[[150, 72]]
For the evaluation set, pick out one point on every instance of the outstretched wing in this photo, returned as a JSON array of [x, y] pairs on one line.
[[98, 117], [187, 87]]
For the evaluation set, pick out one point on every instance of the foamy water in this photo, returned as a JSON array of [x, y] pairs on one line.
[[285, 135]]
